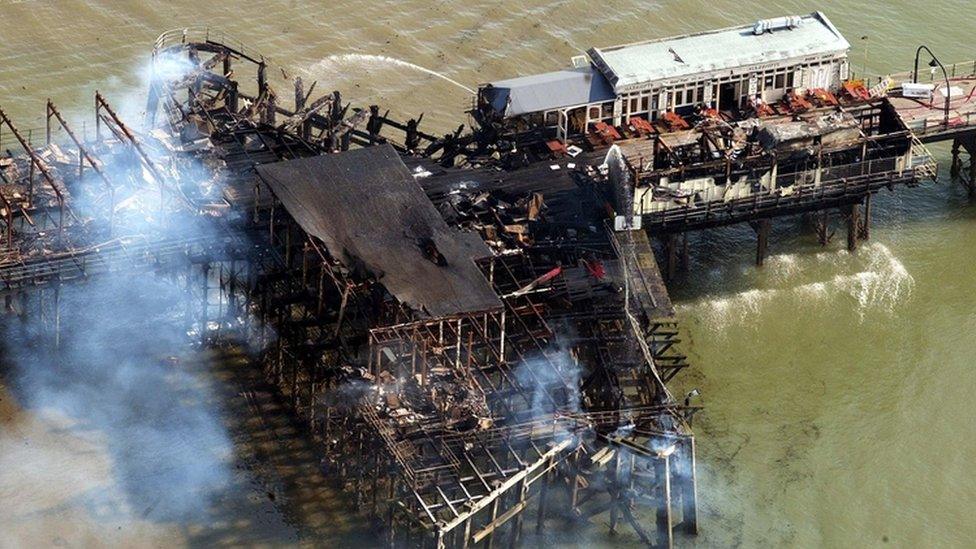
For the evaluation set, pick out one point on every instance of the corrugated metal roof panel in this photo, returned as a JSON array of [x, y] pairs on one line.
[[552, 90], [670, 58], [372, 215]]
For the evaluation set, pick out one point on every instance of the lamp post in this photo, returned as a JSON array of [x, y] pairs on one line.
[[933, 63], [865, 67]]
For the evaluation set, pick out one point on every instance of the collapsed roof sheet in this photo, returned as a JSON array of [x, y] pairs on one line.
[[371, 214], [834, 128]]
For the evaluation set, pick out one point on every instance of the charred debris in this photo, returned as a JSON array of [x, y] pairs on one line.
[[473, 326]]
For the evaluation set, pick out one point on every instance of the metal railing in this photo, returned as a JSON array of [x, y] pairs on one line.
[[928, 125], [34, 137], [835, 182], [205, 34], [956, 70]]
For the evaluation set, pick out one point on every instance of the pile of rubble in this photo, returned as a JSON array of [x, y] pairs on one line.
[[504, 222]]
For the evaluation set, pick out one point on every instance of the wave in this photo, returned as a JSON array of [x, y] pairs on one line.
[[875, 281]]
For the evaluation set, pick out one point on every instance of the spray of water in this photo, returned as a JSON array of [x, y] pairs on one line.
[[330, 64], [876, 280]]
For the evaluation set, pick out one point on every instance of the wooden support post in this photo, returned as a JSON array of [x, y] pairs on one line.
[[665, 527], [299, 94], [48, 123], [390, 506], [956, 167], [671, 251], [98, 119], [262, 78], [762, 228], [540, 520], [233, 100], [821, 225], [57, 317], [30, 183], [685, 261], [852, 227], [971, 186], [516, 531], [616, 498], [574, 495], [25, 299], [206, 304], [270, 109], [467, 534], [494, 515], [689, 488], [864, 232]]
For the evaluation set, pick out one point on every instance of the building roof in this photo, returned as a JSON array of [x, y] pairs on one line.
[[552, 90], [372, 215], [635, 64]]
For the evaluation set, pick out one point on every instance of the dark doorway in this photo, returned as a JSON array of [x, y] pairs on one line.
[[728, 96]]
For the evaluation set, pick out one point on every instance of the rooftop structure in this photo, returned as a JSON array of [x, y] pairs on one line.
[[728, 70], [809, 38]]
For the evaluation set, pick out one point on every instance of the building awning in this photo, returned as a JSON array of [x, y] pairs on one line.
[[549, 91], [632, 66], [373, 216]]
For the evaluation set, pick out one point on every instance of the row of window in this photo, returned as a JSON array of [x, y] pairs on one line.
[[782, 79]]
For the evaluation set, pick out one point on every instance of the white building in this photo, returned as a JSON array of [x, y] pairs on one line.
[[721, 69]]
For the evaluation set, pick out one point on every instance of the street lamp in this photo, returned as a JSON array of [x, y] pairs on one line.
[[865, 67], [933, 63]]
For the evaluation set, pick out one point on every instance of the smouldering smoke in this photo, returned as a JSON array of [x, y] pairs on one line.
[[553, 381], [113, 375], [121, 367]]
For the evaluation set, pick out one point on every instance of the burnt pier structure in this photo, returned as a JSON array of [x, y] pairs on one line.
[[472, 326]]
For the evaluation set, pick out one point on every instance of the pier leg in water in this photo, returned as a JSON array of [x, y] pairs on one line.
[[665, 524], [688, 488], [971, 184], [671, 251], [685, 261], [864, 228], [970, 145], [762, 241], [821, 224], [852, 215], [956, 167], [972, 176]]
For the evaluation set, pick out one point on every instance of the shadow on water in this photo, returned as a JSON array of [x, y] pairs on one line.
[[195, 443], [277, 464]]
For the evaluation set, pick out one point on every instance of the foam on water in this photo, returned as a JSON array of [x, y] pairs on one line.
[[875, 281], [332, 63]]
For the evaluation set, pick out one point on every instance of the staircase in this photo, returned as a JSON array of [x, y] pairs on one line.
[[922, 161]]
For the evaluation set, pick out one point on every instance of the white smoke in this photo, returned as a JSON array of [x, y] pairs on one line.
[[119, 372]]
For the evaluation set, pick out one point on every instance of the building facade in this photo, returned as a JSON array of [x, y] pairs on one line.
[[722, 69]]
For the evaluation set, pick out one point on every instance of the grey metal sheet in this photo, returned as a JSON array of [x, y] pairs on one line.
[[372, 215], [552, 90]]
